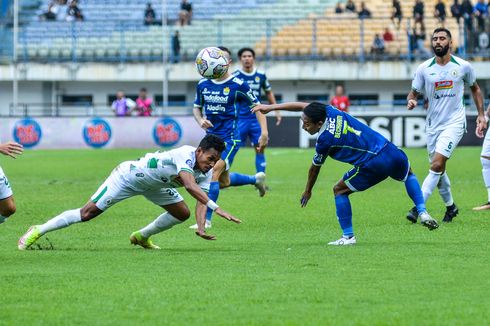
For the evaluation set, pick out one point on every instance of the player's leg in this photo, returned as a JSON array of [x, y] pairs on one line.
[[485, 162], [176, 212], [109, 193], [255, 132], [7, 202], [446, 144], [344, 214]]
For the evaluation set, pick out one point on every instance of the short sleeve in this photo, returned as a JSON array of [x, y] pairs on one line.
[[266, 86], [469, 76], [418, 81], [198, 100], [205, 182], [321, 153], [248, 94], [183, 160]]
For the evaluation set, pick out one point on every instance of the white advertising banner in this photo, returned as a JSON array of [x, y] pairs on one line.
[[112, 132]]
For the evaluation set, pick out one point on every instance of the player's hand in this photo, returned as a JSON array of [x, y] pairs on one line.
[[481, 125], [278, 118], [227, 216], [411, 104], [204, 235], [305, 198], [11, 149], [263, 141], [205, 124], [262, 108]]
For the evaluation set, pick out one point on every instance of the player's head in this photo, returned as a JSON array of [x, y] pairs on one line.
[[313, 117], [143, 93], [227, 52], [247, 57], [441, 41], [209, 152]]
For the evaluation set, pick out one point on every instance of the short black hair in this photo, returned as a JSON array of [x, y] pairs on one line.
[[212, 141], [242, 50], [316, 112], [442, 29], [143, 89], [224, 48]]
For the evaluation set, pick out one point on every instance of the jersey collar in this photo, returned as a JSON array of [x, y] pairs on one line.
[[223, 81], [248, 74]]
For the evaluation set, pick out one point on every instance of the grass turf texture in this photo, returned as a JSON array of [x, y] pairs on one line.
[[275, 268]]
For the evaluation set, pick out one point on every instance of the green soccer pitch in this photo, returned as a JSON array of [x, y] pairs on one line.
[[274, 268]]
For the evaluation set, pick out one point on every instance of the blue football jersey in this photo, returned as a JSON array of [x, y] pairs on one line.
[[346, 139], [257, 81], [221, 101]]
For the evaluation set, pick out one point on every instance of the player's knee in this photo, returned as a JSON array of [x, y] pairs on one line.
[[337, 189], [8, 209], [438, 166], [183, 214], [224, 183], [87, 213]]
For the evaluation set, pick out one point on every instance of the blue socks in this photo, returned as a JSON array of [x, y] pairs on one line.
[[415, 193], [237, 179], [213, 195], [344, 214], [260, 162]]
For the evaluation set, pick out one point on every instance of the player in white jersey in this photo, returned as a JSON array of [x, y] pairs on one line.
[[442, 80], [155, 176], [485, 162], [7, 203]]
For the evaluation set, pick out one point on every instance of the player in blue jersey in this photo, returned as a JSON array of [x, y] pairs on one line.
[[216, 110], [247, 123], [348, 140]]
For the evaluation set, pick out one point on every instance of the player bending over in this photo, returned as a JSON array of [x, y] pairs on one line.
[[347, 140], [154, 176], [7, 203]]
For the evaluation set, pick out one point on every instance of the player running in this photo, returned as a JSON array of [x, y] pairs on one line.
[[347, 140], [7, 203], [155, 176], [485, 162], [442, 79], [247, 123], [216, 111]]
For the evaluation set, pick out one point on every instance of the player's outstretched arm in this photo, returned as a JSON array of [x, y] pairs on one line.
[[312, 176], [264, 132], [412, 99], [289, 106], [11, 149], [481, 122], [201, 220], [201, 121], [272, 100]]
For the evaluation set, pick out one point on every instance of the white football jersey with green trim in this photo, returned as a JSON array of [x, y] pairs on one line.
[[443, 86], [161, 170]]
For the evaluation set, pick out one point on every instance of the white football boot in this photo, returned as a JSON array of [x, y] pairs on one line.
[[260, 183], [427, 221], [343, 241], [207, 225]]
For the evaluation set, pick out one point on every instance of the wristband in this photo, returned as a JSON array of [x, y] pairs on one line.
[[211, 204]]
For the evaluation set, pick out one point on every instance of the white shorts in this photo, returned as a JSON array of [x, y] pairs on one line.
[[115, 189], [5, 190], [485, 151], [445, 141]]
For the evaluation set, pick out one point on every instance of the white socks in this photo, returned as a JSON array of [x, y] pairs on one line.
[[2, 219], [485, 163], [61, 221], [430, 182], [444, 186], [161, 223]]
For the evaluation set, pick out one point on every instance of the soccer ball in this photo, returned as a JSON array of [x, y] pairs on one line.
[[211, 63]]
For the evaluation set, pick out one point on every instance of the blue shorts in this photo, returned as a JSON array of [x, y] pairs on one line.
[[249, 128], [228, 155], [390, 162]]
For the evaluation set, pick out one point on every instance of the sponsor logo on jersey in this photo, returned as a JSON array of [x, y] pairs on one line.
[[338, 127], [439, 96], [27, 132], [226, 90], [215, 108], [445, 84], [97, 132], [167, 132], [189, 163], [216, 98], [331, 125]]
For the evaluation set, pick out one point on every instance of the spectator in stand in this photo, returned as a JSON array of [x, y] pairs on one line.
[[122, 106], [420, 36], [418, 12], [176, 47], [144, 104], [396, 13], [150, 16], [350, 6], [388, 36], [185, 14], [340, 101], [481, 13], [467, 13], [338, 8], [440, 12], [364, 12], [73, 12], [51, 13], [456, 11], [378, 46]]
